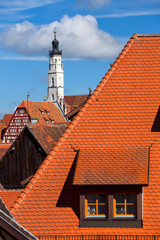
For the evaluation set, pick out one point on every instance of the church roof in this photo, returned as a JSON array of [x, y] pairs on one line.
[[117, 119]]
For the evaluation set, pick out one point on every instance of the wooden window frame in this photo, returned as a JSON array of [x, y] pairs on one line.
[[125, 204], [97, 204], [110, 220]]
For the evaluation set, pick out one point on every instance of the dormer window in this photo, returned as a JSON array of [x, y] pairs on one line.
[[42, 113], [107, 207]]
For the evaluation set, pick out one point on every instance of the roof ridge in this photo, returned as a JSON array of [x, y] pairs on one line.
[[11, 190], [71, 126], [149, 35]]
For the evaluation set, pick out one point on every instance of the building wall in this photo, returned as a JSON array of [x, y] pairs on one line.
[[21, 161], [17, 123]]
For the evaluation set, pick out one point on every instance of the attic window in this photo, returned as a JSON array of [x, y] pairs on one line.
[[95, 205], [124, 205], [42, 113], [103, 206]]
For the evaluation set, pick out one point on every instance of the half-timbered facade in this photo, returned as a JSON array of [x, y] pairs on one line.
[[32, 112]]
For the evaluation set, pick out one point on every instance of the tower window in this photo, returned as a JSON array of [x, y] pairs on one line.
[[52, 81]]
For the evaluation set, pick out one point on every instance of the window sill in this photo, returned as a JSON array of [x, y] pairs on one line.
[[124, 218], [111, 223]]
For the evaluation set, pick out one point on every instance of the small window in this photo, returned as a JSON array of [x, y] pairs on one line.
[[95, 205], [124, 205], [25, 120], [13, 130], [21, 111], [17, 120]]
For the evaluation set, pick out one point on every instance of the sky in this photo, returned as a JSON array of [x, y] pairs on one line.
[[91, 35]]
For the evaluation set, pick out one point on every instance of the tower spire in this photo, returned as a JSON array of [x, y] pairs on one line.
[[55, 74], [55, 33]]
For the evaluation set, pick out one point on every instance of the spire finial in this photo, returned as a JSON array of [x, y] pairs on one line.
[[55, 32]]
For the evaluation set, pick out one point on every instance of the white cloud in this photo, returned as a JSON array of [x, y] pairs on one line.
[[20, 5], [92, 3], [130, 14], [79, 37]]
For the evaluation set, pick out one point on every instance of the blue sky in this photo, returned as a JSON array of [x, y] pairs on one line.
[[91, 34]]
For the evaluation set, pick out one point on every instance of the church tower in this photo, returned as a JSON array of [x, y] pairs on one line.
[[55, 74]]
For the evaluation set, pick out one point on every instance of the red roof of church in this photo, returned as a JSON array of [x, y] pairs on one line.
[[120, 119]]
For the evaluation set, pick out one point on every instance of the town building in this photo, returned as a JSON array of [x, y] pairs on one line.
[[4, 123], [101, 179], [9, 228], [32, 112], [24, 156]]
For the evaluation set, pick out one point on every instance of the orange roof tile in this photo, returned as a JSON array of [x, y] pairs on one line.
[[75, 100], [120, 114], [3, 149], [9, 196], [3, 126], [43, 111], [7, 117], [99, 166], [47, 135]]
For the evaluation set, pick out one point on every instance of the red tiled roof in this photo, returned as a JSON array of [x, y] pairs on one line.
[[119, 114], [47, 135], [43, 111], [99, 166], [7, 117], [75, 100], [9, 196], [3, 149], [3, 125]]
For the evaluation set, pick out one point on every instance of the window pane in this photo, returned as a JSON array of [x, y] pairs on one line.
[[101, 198], [92, 209], [130, 198], [120, 209], [119, 198], [91, 198], [102, 209], [131, 209]]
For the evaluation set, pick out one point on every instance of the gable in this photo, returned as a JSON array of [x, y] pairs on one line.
[[21, 160]]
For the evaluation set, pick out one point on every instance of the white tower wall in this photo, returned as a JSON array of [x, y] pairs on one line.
[[55, 75]]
